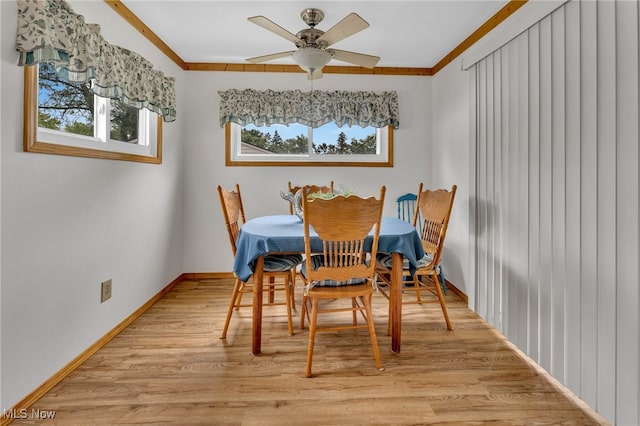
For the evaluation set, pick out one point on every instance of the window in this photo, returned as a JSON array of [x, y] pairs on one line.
[[68, 119], [300, 145]]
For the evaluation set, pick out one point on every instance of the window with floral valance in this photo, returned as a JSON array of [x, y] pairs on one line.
[[317, 128], [49, 31], [313, 109]]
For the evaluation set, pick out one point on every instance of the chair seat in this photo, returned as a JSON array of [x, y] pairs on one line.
[[384, 260], [316, 262], [281, 262]]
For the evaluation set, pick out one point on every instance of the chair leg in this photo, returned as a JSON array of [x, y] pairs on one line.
[[442, 303], [354, 307], [232, 304], [416, 286], [312, 334], [442, 280], [272, 287], [372, 331], [287, 292], [239, 298], [389, 324], [389, 315], [293, 288], [303, 311]]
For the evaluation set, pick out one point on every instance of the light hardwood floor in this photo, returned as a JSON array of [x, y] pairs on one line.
[[170, 367]]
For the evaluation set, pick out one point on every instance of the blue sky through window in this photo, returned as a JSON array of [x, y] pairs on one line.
[[326, 134]]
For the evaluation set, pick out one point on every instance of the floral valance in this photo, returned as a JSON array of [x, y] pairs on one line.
[[49, 31], [312, 109]]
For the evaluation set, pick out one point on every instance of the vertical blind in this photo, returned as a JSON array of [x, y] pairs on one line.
[[557, 240]]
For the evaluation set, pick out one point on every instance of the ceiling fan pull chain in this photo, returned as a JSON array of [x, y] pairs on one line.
[[311, 115]]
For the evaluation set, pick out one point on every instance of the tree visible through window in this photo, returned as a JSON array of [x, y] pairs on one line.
[[71, 107], [274, 143], [62, 105], [294, 139]]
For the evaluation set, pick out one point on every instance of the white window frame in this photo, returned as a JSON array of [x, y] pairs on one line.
[[50, 141], [383, 158], [102, 125]]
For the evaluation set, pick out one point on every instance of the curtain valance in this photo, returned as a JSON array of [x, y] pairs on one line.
[[49, 31], [312, 109]]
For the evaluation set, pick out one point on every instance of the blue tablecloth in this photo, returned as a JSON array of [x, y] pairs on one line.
[[285, 234]]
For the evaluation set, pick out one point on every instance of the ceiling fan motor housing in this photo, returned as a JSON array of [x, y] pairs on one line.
[[309, 37]]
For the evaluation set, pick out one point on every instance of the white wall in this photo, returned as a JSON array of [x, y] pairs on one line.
[[206, 241], [450, 165], [69, 223]]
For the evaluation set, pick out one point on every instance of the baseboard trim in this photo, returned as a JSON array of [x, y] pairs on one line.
[[196, 276], [457, 291], [39, 392]]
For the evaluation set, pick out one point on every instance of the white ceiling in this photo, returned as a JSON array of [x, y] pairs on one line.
[[402, 33]]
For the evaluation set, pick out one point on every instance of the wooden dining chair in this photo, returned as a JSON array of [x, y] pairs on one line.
[[406, 206], [275, 266], [407, 211], [338, 267], [310, 190], [434, 207]]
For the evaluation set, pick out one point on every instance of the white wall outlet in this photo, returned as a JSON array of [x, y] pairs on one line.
[[105, 291]]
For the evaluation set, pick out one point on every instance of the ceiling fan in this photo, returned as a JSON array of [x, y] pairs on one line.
[[313, 44]]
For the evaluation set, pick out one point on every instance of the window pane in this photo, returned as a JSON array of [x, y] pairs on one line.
[[62, 105], [274, 139], [343, 147], [124, 122], [331, 139], [292, 139]]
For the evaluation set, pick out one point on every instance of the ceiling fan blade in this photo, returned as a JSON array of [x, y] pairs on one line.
[[367, 61], [268, 24], [349, 25], [265, 58]]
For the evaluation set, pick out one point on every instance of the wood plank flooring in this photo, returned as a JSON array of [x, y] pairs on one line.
[[170, 367]]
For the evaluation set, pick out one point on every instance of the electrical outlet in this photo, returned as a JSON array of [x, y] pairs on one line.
[[105, 293]]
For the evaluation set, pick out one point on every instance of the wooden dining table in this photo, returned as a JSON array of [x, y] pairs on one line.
[[285, 234]]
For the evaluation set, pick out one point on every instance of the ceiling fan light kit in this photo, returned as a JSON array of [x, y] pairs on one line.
[[310, 59], [312, 43]]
